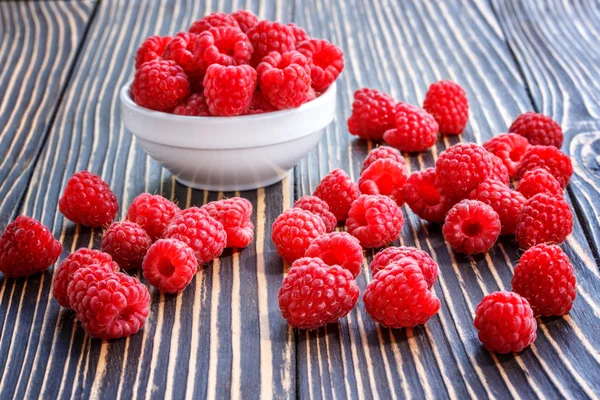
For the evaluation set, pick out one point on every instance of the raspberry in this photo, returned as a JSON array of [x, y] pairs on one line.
[[326, 62], [293, 231], [538, 181], [27, 247], [127, 243], [80, 258], [506, 202], [160, 85], [268, 36], [383, 152], [285, 79], [234, 214], [505, 322], [153, 213], [151, 49], [246, 19], [194, 106], [372, 114], [544, 219], [299, 34], [169, 265], [385, 177], [318, 207], [223, 46], [471, 227], [461, 168], [499, 171], [213, 20], [423, 198], [549, 158], [375, 220], [508, 147], [110, 305], [229, 90], [398, 296], [538, 129], [394, 255], [314, 294], [260, 104], [414, 131], [338, 248], [87, 200], [181, 50], [201, 232], [338, 191], [447, 102]]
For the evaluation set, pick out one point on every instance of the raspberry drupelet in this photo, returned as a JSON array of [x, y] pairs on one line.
[[151, 49], [549, 158], [338, 248], [181, 50], [234, 214], [538, 129], [447, 102], [127, 243], [326, 62], [414, 129], [372, 114], [339, 192], [195, 106], [299, 34], [383, 152], [285, 79], [539, 181], [506, 202], [471, 227], [385, 177], [213, 20], [169, 265], [268, 36], [390, 255], [423, 197], [375, 220], [544, 219], [223, 46], [318, 207], [293, 231], [229, 90], [508, 147], [160, 85], [246, 19], [499, 171], [153, 213], [461, 168]]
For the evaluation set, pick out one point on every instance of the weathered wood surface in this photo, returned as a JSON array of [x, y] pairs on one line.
[[224, 336]]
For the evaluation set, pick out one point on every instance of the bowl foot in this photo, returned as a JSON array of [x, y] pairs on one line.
[[232, 187]]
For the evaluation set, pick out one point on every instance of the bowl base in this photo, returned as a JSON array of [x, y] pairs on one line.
[[232, 187]]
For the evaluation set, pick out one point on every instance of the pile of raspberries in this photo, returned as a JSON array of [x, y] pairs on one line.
[[167, 243], [233, 64]]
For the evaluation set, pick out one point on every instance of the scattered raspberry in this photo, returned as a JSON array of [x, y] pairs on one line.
[[160, 85], [152, 49], [375, 220], [87, 200], [539, 181], [317, 206], [314, 294], [539, 129], [223, 46], [385, 152], [499, 171], [423, 198], [372, 114], [80, 258], [269, 36], [549, 158], [246, 19], [181, 50], [398, 296], [201, 232], [448, 104], [338, 248], [195, 106], [414, 131], [27, 247], [285, 79], [461, 168], [229, 90], [326, 62], [213, 20], [544, 219], [234, 214], [127, 243], [394, 255], [293, 231], [110, 305], [260, 104], [506, 202], [471, 227], [508, 147], [505, 322], [169, 265], [153, 213], [385, 177], [338, 191], [299, 34]]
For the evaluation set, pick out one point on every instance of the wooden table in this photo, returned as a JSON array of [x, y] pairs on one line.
[[61, 66]]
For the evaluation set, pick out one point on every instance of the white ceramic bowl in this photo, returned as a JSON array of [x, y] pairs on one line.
[[229, 153]]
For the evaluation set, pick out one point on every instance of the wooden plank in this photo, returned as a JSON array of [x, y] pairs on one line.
[[401, 50]]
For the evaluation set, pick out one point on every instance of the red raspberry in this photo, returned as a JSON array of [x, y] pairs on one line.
[[394, 255], [471, 227], [153, 213], [538, 181], [505, 322], [326, 62], [27, 247], [375, 220], [386, 177], [194, 106], [201, 232], [299, 34], [383, 152], [160, 85], [372, 114], [268, 36], [127, 243], [423, 198], [499, 171], [549, 158], [234, 214], [181, 50], [338, 191], [152, 49], [169, 265], [447, 102], [260, 104], [414, 131], [398, 296], [213, 20], [508, 147], [544, 219], [539, 129], [506, 202], [87, 200], [229, 90], [314, 294], [246, 19], [293, 231], [318, 207], [338, 248], [78, 259], [110, 305], [223, 46], [285, 79], [461, 168]]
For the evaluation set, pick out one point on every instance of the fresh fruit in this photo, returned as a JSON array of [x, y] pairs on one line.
[[471, 227], [544, 219], [375, 220], [213, 20], [246, 19], [372, 114], [285, 79], [317, 206], [160, 85], [339, 192], [151, 49], [423, 197], [415, 130], [549, 158], [153, 213], [268, 36], [229, 90], [169, 265], [510, 148], [537, 181], [293, 231], [383, 152], [127, 243], [447, 102], [461, 168], [326, 62], [234, 214], [194, 106], [224, 46], [338, 248], [181, 50], [538, 129], [385, 177], [391, 255], [506, 202]]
